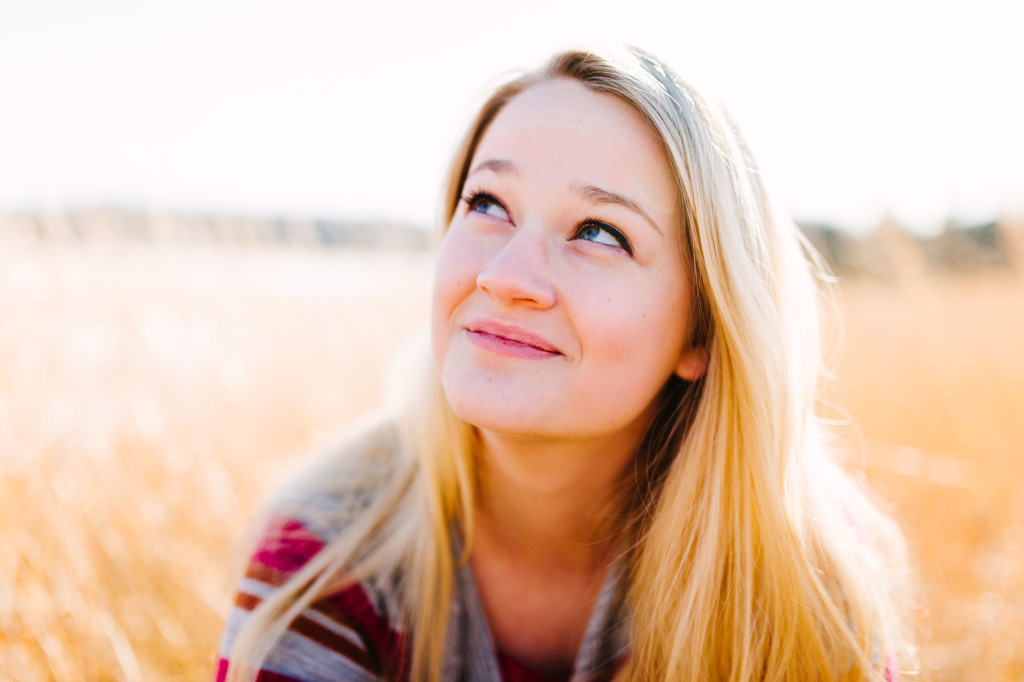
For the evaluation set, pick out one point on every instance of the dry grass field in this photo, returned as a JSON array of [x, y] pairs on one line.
[[149, 398]]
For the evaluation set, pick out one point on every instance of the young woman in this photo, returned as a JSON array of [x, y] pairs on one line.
[[611, 466]]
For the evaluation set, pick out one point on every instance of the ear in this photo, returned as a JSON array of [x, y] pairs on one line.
[[693, 363]]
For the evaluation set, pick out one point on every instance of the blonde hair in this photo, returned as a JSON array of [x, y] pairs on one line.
[[753, 556]]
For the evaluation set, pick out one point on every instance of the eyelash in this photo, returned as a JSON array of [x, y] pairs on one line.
[[472, 197], [613, 231]]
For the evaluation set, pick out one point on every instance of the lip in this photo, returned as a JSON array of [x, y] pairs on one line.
[[510, 340]]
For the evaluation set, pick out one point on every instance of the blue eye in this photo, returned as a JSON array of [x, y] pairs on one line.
[[603, 233], [486, 204]]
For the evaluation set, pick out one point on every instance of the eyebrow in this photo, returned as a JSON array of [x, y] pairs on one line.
[[602, 196], [500, 166]]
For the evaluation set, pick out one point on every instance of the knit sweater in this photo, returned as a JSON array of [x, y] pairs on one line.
[[354, 635]]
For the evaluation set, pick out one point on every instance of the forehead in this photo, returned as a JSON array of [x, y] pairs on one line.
[[561, 103], [568, 132]]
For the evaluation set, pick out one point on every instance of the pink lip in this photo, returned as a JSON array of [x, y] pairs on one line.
[[508, 340]]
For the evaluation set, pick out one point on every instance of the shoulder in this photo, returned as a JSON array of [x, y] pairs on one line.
[[859, 534], [348, 634], [350, 630]]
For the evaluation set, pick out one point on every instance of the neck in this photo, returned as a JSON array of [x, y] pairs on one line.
[[552, 503]]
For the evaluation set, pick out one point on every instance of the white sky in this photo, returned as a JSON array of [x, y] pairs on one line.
[[349, 109]]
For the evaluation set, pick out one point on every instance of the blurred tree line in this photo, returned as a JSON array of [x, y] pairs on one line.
[[885, 252]]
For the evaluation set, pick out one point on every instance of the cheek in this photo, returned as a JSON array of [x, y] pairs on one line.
[[454, 279], [642, 334]]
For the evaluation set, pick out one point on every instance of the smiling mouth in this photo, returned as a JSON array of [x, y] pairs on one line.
[[505, 340]]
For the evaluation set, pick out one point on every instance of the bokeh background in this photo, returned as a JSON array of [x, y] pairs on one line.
[[213, 238]]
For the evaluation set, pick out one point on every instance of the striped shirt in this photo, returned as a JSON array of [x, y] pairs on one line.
[[353, 635]]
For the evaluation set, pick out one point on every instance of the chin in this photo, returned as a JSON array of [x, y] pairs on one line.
[[495, 416]]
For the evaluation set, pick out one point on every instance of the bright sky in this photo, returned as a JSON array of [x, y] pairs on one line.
[[350, 109]]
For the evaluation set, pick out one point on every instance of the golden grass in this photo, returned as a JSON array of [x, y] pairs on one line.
[[932, 373], [149, 397]]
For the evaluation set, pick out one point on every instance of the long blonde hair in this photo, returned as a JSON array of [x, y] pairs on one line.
[[753, 555]]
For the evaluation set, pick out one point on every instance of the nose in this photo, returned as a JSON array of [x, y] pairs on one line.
[[520, 272]]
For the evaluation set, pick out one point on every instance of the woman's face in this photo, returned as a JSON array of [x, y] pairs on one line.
[[561, 302]]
